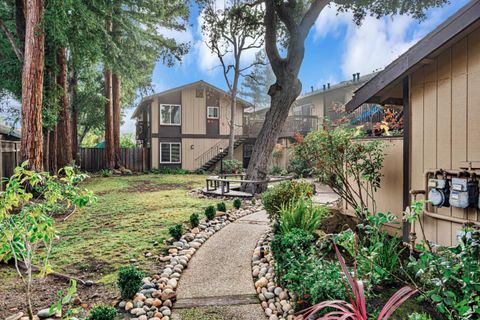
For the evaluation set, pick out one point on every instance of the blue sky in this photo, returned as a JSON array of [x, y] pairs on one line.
[[335, 48]]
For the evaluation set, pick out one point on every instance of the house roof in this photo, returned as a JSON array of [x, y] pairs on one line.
[[9, 131], [145, 100], [405, 64]]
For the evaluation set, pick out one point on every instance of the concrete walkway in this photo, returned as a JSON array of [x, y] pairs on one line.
[[218, 283]]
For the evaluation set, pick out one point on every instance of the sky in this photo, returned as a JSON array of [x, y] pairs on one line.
[[334, 50]]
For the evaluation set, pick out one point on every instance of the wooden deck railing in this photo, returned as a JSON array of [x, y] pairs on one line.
[[302, 124]]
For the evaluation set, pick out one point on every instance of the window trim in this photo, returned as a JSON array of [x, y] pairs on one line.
[[218, 112], [170, 105], [170, 147]]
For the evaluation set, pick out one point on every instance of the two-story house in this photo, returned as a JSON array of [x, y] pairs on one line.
[[188, 127]]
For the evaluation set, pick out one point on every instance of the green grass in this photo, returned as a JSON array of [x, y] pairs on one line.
[[131, 214]]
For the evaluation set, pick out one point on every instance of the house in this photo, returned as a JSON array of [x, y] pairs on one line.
[[8, 133], [188, 127], [437, 82]]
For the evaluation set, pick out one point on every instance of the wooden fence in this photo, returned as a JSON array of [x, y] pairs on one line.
[[135, 159], [9, 158]]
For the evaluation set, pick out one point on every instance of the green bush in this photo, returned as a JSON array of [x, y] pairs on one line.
[[210, 212], [221, 206], [299, 167], [176, 231], [194, 220], [129, 281], [237, 203], [301, 214], [449, 277], [170, 171], [103, 312], [106, 173], [232, 166], [297, 245], [419, 316], [283, 193], [276, 170]]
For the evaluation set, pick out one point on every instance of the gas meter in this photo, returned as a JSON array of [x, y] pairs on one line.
[[439, 192]]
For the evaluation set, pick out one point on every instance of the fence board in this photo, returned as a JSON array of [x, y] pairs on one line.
[[135, 159], [9, 158]]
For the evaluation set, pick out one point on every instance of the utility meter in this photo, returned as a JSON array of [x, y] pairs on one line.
[[439, 192], [459, 194]]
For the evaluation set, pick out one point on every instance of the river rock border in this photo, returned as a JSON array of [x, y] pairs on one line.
[[275, 301], [155, 299]]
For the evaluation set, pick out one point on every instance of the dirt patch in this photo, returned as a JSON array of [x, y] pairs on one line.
[[149, 186], [45, 294]]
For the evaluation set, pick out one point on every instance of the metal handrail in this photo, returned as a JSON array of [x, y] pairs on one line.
[[215, 150]]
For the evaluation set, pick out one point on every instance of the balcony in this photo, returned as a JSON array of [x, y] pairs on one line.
[[293, 124]]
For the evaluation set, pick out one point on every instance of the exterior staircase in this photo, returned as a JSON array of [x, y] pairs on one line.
[[210, 158]]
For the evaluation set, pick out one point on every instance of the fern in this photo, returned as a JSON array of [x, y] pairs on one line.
[[301, 214]]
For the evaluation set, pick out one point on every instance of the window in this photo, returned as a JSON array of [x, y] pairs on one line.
[[212, 112], [199, 92], [170, 152], [170, 114]]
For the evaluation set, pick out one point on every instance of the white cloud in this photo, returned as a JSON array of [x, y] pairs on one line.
[[128, 125], [377, 42]]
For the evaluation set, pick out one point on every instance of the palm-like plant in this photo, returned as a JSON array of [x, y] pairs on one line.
[[357, 309], [301, 214]]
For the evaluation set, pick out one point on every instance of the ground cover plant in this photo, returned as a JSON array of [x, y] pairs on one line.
[[131, 217]]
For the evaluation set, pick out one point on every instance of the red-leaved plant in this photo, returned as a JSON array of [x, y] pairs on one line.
[[356, 309]]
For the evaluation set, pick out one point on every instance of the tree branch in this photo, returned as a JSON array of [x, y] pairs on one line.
[[11, 39], [271, 38], [311, 16]]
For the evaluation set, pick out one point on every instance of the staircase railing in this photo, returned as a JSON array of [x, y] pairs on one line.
[[211, 153]]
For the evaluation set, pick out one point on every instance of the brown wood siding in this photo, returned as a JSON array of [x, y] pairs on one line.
[[193, 112], [445, 117]]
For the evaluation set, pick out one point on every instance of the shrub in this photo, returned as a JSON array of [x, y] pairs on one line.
[[210, 212], [106, 173], [449, 277], [103, 312], [232, 166], [170, 171], [296, 246], [301, 214], [276, 170], [221, 206], [336, 156], [237, 203], [357, 308], [176, 231], [129, 281], [283, 193], [194, 220], [299, 167]]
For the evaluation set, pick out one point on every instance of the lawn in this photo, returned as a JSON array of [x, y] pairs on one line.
[[130, 218]]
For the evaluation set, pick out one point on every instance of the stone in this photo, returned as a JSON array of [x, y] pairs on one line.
[[167, 312], [128, 306], [172, 283], [167, 303], [273, 317], [44, 313], [286, 307], [157, 303], [168, 294], [143, 317], [262, 282], [269, 295], [139, 297]]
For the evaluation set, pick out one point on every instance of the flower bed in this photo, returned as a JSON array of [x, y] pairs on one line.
[[158, 292]]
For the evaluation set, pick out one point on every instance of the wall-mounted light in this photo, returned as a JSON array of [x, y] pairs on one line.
[[192, 146]]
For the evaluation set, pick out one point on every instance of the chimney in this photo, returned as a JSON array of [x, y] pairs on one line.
[[311, 88], [324, 87], [328, 86], [354, 77], [358, 76]]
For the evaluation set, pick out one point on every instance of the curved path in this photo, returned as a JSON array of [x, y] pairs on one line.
[[218, 283]]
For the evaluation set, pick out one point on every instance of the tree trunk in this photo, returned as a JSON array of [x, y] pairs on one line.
[[116, 91], [53, 150], [283, 94], [109, 144], [32, 86], [231, 140], [20, 21], [64, 133], [46, 150], [74, 117]]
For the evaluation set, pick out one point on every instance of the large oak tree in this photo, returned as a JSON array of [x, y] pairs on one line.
[[287, 24]]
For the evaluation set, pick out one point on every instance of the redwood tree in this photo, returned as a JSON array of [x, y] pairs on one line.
[[287, 24], [64, 133], [117, 109], [32, 85]]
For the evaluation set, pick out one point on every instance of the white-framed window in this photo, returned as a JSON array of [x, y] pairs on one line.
[[170, 152], [170, 114], [212, 112]]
